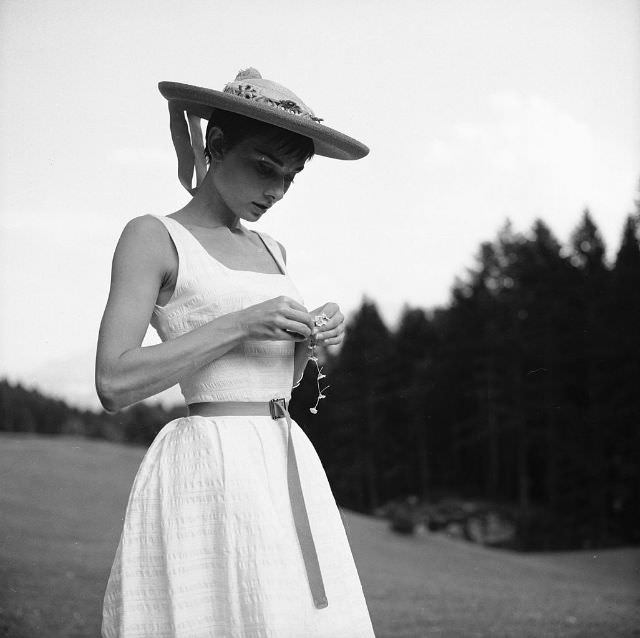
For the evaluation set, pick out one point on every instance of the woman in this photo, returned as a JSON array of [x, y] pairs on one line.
[[231, 528]]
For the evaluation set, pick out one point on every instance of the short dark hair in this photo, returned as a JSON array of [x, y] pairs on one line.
[[236, 128]]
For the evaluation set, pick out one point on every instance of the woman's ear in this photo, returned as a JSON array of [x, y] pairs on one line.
[[215, 143]]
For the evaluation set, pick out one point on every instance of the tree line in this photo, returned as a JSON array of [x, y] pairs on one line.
[[523, 390], [26, 410]]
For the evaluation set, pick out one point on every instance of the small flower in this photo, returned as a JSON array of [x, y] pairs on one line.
[[314, 358]]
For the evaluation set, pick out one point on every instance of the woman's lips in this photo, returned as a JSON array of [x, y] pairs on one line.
[[262, 207]]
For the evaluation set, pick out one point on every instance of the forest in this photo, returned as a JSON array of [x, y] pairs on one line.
[[522, 391]]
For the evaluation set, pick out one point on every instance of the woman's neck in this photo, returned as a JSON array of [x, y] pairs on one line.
[[208, 209]]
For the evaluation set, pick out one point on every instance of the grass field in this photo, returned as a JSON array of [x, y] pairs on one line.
[[61, 505]]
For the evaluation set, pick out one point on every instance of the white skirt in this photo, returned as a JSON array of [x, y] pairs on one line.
[[209, 545]]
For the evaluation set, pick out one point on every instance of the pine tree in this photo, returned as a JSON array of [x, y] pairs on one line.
[[413, 344], [623, 376], [592, 294], [361, 395]]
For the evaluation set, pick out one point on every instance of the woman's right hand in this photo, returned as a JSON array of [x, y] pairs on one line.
[[278, 319]]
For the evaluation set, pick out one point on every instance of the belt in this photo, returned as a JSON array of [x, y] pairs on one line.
[[277, 409]]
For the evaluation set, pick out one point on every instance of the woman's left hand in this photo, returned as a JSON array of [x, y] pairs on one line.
[[332, 332]]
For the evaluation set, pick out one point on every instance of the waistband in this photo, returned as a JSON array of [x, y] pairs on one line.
[[278, 409]]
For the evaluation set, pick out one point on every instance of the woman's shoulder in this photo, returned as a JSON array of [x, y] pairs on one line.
[[268, 237], [143, 224], [145, 228], [147, 236]]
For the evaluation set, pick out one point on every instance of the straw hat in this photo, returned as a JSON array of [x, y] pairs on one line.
[[252, 96]]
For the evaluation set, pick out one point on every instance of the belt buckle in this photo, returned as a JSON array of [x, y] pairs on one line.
[[277, 408]]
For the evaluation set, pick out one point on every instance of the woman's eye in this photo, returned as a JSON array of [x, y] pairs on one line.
[[264, 169]]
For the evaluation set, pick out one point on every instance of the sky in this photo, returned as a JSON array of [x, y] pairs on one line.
[[475, 112]]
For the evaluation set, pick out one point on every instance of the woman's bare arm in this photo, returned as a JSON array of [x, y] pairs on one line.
[[126, 372]]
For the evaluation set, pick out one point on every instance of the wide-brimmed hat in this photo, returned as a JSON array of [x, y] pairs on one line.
[[252, 96]]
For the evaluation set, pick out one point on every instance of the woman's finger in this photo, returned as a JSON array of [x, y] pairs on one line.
[[296, 327], [301, 316], [294, 304], [329, 309], [335, 322], [330, 334], [289, 334]]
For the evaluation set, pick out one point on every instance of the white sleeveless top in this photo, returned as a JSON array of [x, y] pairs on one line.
[[206, 289]]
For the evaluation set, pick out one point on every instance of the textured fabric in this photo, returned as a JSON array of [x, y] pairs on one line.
[[205, 289], [209, 545]]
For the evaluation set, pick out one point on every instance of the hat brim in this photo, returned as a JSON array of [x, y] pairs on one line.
[[200, 101]]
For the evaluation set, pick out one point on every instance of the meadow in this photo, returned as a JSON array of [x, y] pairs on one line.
[[62, 500]]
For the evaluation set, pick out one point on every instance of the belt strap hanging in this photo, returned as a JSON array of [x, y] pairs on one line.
[[277, 409]]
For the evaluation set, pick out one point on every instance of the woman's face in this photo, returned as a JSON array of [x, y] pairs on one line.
[[253, 175]]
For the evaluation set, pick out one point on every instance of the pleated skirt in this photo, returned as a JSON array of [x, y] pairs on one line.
[[209, 546]]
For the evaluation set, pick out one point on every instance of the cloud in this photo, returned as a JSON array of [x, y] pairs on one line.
[[525, 153]]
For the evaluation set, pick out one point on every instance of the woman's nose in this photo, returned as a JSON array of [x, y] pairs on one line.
[[276, 190]]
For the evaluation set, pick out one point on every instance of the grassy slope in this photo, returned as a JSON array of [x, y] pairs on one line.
[[61, 507]]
